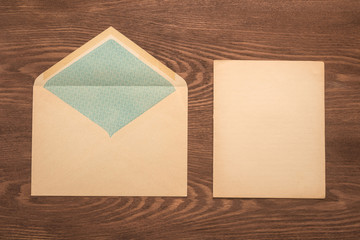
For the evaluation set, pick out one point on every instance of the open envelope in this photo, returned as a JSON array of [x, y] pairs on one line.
[[109, 120]]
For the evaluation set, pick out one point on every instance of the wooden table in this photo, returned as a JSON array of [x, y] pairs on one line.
[[186, 36]]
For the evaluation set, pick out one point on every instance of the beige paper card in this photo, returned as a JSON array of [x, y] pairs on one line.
[[109, 120], [269, 129]]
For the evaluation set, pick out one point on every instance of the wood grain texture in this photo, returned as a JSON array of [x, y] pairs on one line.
[[186, 36]]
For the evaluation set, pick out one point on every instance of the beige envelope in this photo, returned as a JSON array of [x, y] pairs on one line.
[[73, 155], [269, 139]]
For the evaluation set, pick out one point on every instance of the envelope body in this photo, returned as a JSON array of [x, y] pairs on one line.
[[133, 143]]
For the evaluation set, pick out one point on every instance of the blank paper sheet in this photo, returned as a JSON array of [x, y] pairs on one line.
[[269, 138]]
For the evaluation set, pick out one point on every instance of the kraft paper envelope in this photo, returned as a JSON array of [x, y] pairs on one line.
[[269, 129], [109, 120]]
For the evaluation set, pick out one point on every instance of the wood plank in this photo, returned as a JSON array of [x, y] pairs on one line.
[[186, 36]]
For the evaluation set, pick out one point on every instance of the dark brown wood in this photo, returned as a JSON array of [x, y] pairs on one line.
[[187, 36]]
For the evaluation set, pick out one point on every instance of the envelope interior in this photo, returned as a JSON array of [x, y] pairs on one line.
[[110, 86]]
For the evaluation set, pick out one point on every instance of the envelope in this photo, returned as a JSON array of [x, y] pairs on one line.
[[269, 129], [109, 120]]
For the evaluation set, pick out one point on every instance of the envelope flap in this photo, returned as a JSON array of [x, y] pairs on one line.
[[110, 80], [115, 37]]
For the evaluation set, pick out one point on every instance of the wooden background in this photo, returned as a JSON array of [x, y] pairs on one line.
[[186, 36]]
